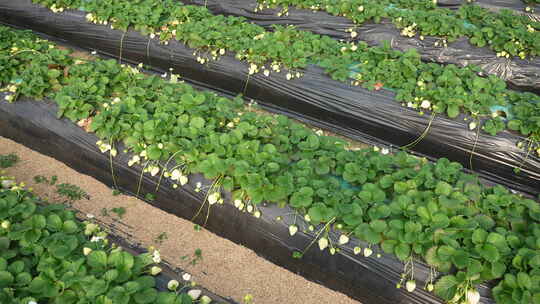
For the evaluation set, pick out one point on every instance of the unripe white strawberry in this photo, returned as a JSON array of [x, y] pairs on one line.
[[473, 297], [293, 229], [410, 285], [323, 243], [343, 239]]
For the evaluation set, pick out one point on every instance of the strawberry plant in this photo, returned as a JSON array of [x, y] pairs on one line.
[[404, 205], [48, 256], [441, 89], [507, 33]]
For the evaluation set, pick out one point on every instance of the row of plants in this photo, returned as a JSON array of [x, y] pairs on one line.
[[442, 89], [47, 255], [505, 32], [405, 205]]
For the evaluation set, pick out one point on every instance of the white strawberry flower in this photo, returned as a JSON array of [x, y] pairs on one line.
[[343, 239], [385, 151], [307, 218], [114, 152], [186, 276], [257, 214], [96, 239], [472, 125], [332, 251], [430, 287], [289, 76], [135, 159], [213, 198], [361, 8], [425, 104], [173, 285], [249, 208], [175, 174], [155, 270], [354, 34], [222, 51], [410, 285], [237, 203], [87, 251], [473, 297], [354, 47], [6, 184], [156, 257], [183, 180], [293, 229], [266, 72], [194, 294], [357, 250], [323, 243]]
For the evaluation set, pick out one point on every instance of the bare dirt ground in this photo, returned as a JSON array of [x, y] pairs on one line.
[[225, 268]]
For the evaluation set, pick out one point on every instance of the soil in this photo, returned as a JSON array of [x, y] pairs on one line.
[[225, 268]]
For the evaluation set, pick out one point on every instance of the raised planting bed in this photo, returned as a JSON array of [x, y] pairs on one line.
[[48, 255], [520, 74], [411, 209], [371, 115], [507, 33]]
